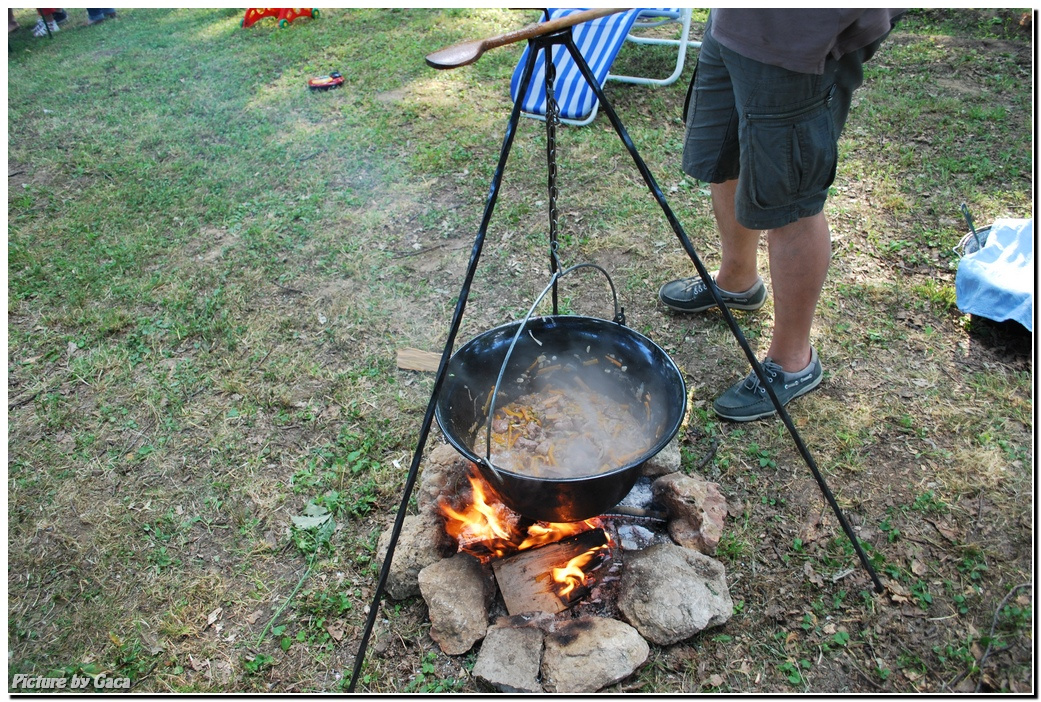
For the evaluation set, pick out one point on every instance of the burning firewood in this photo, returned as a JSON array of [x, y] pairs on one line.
[[551, 578], [483, 526]]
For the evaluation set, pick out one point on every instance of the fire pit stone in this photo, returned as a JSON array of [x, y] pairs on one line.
[[422, 542], [588, 654], [697, 510], [444, 473], [664, 588], [665, 461], [458, 592], [670, 593], [510, 658]]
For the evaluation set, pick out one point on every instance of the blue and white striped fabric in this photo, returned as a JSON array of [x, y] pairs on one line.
[[599, 41]]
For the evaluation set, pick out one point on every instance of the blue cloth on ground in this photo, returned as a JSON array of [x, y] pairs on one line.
[[996, 280]]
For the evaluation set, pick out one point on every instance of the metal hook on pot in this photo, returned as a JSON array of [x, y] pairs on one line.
[[619, 318], [972, 227]]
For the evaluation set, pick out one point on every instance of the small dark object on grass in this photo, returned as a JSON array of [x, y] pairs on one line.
[[333, 80]]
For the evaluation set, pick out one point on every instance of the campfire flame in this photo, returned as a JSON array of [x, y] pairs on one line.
[[490, 530], [573, 574], [479, 520]]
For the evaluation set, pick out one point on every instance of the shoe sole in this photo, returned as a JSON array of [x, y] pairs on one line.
[[773, 410]]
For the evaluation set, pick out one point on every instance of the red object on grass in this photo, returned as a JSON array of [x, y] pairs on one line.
[[333, 80], [285, 15]]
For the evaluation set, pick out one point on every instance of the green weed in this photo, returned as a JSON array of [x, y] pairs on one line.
[[426, 681], [929, 503], [794, 671], [258, 664]]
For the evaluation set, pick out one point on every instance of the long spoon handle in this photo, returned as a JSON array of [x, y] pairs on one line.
[[469, 51]]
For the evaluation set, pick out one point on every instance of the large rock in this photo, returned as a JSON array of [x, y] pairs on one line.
[[669, 593], [665, 461], [457, 591], [588, 654], [422, 542], [510, 658], [696, 508], [445, 472]]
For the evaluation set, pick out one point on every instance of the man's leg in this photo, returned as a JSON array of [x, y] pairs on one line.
[[799, 256], [711, 154], [738, 269]]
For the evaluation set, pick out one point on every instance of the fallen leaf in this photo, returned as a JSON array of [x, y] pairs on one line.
[[945, 531], [310, 522], [811, 574], [715, 680], [214, 616], [335, 630], [198, 665], [966, 685], [896, 588], [919, 568], [252, 619], [810, 530]]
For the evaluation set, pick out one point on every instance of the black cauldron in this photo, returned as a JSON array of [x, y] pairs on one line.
[[649, 375]]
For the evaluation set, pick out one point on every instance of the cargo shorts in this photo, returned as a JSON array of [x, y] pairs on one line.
[[774, 130]]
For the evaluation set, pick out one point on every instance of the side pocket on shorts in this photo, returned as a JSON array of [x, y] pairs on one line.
[[793, 155]]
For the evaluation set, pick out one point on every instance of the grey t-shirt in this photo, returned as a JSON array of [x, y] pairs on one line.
[[799, 40]]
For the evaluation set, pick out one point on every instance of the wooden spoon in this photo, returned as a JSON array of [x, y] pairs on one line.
[[469, 51]]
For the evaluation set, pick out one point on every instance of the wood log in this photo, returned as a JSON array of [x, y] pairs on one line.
[[526, 578], [414, 359]]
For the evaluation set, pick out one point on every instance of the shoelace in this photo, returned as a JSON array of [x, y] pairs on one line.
[[753, 384]]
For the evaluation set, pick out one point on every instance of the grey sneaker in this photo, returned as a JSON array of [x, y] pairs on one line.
[[747, 400], [692, 295]]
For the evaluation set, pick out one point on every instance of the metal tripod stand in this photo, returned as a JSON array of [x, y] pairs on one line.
[[546, 43]]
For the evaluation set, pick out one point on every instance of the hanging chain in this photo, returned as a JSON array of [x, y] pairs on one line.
[[552, 122]]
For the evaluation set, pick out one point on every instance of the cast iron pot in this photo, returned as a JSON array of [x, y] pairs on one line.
[[650, 376]]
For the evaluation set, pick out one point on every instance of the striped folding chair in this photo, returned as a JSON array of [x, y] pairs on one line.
[[599, 41]]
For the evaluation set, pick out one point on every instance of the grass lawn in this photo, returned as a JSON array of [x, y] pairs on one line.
[[211, 268]]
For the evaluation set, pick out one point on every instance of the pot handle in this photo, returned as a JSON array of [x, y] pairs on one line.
[[619, 318]]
